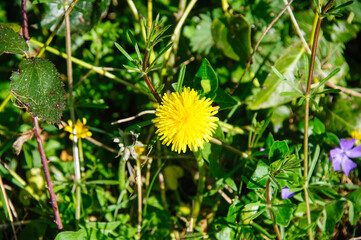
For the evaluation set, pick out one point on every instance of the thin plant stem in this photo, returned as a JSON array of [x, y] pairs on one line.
[[150, 13], [134, 10], [147, 80], [21, 181], [258, 43], [122, 177], [200, 187], [8, 207], [6, 100], [44, 162], [268, 199], [176, 35], [52, 35], [161, 180], [140, 199], [37, 131], [307, 106], [298, 30], [226, 146], [98, 70], [225, 5], [77, 170]]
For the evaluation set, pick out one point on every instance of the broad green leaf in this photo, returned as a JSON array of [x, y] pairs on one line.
[[79, 235], [284, 211], [37, 87], [250, 212], [259, 177], [234, 210], [273, 86], [318, 127], [279, 150], [224, 100], [355, 197], [232, 35], [206, 80], [334, 213], [11, 42]]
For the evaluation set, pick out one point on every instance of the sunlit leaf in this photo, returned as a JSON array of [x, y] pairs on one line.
[[11, 42], [37, 87]]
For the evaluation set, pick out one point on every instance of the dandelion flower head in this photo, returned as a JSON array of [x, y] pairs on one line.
[[183, 119], [357, 135], [82, 131]]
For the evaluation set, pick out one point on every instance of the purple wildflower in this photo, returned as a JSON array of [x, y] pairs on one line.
[[285, 193], [341, 156]]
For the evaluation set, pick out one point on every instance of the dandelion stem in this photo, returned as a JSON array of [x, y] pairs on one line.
[[121, 176], [200, 187], [140, 199]]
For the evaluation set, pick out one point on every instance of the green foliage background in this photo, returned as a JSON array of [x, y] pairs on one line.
[[263, 125]]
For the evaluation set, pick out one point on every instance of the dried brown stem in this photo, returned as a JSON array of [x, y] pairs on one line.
[[49, 182]]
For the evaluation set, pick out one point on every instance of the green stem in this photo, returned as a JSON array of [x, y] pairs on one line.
[[134, 10], [122, 177], [6, 100], [268, 199], [96, 69], [140, 199], [150, 14], [200, 186], [307, 109], [170, 60], [67, 12]]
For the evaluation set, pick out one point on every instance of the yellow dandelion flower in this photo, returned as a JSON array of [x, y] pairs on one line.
[[356, 134], [82, 131], [184, 119]]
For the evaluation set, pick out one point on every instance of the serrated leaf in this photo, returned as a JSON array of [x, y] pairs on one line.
[[11, 42], [37, 87], [269, 96], [201, 40], [232, 35]]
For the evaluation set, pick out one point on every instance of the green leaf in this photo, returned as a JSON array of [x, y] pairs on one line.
[[290, 83], [206, 80], [318, 127], [122, 50], [84, 16], [201, 39], [224, 100], [323, 81], [279, 150], [284, 212], [11, 42], [232, 35], [334, 213], [259, 177], [171, 175], [269, 96], [179, 85], [79, 235], [37, 87], [234, 210]]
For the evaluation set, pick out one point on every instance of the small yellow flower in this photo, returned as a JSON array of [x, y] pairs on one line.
[[82, 131], [184, 119], [356, 134]]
